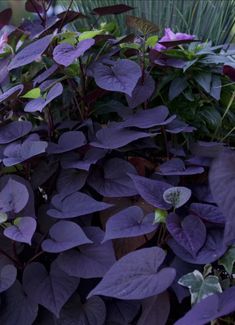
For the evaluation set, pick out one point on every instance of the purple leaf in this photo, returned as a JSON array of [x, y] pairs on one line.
[[112, 180], [12, 92], [142, 91], [64, 235], [13, 197], [70, 181], [8, 275], [68, 141], [151, 190], [222, 184], [176, 166], [121, 312], [5, 17], [93, 311], [207, 212], [39, 103], [91, 260], [210, 308], [212, 250], [75, 205], [145, 119], [14, 130], [18, 308], [177, 86], [113, 138], [111, 10], [31, 52], [130, 222], [90, 158], [155, 310], [122, 76], [49, 290], [190, 233], [45, 75], [22, 231], [136, 276], [65, 54], [16, 152]]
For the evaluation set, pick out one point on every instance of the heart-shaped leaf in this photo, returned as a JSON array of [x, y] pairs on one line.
[[14, 131], [39, 103], [91, 260], [49, 290], [13, 197], [64, 235], [190, 233], [75, 205], [112, 180], [8, 275], [18, 308], [65, 54], [151, 191], [22, 230], [129, 222], [12, 92], [121, 76], [31, 52], [68, 141], [136, 276]]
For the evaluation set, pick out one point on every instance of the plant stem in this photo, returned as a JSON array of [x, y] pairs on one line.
[[65, 16]]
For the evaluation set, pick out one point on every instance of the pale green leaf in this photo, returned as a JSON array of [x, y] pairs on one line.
[[32, 94]]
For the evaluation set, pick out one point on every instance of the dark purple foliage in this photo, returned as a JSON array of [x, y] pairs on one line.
[[105, 199]]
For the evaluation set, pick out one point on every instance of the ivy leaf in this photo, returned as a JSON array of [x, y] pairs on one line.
[[200, 287], [228, 260]]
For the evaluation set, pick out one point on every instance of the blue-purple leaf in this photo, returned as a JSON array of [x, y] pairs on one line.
[[207, 212], [12, 92], [64, 235], [112, 180], [13, 197], [39, 103], [49, 290], [65, 54], [22, 230], [14, 131], [113, 138], [121, 76], [31, 52], [151, 190], [18, 308], [142, 92], [129, 222], [190, 233], [8, 275], [75, 205], [136, 276], [68, 141], [70, 181], [91, 260]]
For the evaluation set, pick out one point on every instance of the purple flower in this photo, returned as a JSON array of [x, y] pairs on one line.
[[171, 36], [3, 42]]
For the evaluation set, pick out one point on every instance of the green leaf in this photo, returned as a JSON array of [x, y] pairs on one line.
[[3, 217], [151, 41], [143, 25], [160, 216], [33, 93], [200, 287], [89, 34], [228, 260]]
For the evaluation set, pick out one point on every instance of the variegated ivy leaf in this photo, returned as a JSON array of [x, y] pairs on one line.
[[3, 217], [200, 287], [177, 196], [228, 260]]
